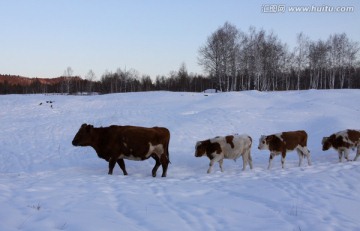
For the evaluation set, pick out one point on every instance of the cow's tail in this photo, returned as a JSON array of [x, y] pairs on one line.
[[167, 152], [166, 144]]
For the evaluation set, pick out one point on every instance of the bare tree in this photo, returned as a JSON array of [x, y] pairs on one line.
[[351, 61], [301, 55], [68, 74], [286, 65], [318, 56], [218, 55], [183, 78], [146, 83], [336, 44], [342, 55], [90, 77]]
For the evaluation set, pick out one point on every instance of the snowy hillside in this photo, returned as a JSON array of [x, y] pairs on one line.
[[48, 184]]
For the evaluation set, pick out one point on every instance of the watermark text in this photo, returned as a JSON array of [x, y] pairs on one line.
[[282, 8]]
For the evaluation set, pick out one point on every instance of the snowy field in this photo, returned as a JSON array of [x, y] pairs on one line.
[[48, 184]]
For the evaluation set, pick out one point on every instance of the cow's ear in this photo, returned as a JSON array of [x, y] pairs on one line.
[[324, 139], [269, 138], [89, 128]]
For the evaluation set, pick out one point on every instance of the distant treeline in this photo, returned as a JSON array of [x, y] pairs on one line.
[[233, 60], [120, 81]]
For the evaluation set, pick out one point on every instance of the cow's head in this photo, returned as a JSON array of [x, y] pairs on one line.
[[326, 143], [200, 149], [83, 136], [264, 142]]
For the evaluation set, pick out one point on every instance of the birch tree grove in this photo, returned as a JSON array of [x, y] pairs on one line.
[[332, 62], [241, 61], [218, 56], [258, 60]]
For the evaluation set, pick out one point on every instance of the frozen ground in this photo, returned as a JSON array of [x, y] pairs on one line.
[[47, 184]]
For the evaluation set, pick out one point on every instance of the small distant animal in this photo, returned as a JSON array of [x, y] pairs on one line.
[[48, 101], [283, 142], [116, 143], [225, 147], [342, 142]]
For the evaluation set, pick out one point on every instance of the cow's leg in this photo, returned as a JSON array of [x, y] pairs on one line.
[[121, 164], [300, 154], [112, 163], [250, 160], [157, 165], [357, 153], [346, 154], [304, 152], [221, 165], [210, 166], [245, 160], [212, 161], [164, 163], [283, 155], [272, 155], [340, 155], [307, 154]]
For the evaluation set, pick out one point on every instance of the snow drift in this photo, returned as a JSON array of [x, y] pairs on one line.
[[47, 184]]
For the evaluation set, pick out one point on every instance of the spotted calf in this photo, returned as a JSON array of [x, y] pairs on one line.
[[342, 142], [283, 142], [225, 147]]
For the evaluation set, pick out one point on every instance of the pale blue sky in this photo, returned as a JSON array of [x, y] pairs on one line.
[[41, 38]]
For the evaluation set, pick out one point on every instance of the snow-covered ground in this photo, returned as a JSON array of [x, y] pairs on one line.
[[47, 184]]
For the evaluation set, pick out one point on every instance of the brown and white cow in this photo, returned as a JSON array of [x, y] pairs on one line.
[[342, 142], [283, 142], [116, 143], [225, 147]]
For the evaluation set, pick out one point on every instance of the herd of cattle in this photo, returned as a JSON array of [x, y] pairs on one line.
[[116, 143]]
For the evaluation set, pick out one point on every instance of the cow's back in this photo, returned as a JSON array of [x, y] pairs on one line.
[[344, 139], [354, 136], [155, 135], [294, 138], [234, 146], [137, 141]]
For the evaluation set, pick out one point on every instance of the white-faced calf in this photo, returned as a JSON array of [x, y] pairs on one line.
[[342, 142], [225, 147], [283, 142]]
